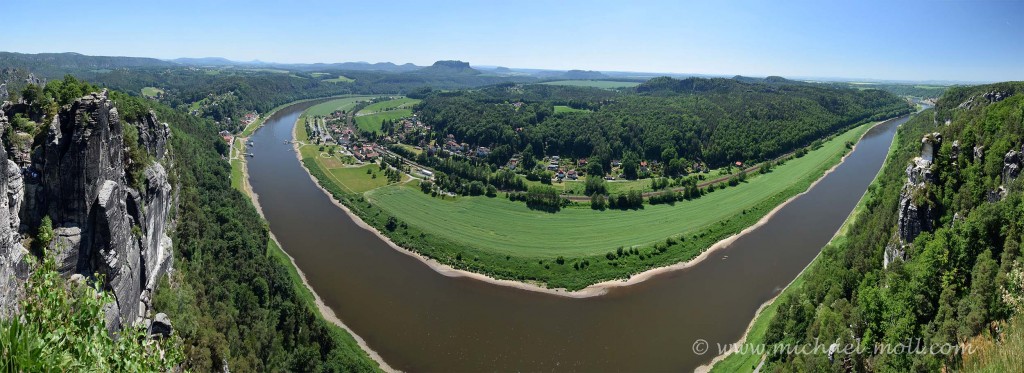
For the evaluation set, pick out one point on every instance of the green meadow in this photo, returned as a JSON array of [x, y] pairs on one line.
[[485, 223], [566, 109], [344, 103]]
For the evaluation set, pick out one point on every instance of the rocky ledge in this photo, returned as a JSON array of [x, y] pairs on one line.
[[104, 227]]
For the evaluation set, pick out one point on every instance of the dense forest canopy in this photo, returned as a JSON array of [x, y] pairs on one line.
[[717, 121], [955, 278]]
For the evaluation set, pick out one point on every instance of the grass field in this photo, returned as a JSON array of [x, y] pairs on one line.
[[566, 109], [340, 79], [372, 122], [151, 91], [483, 223], [369, 118], [399, 103], [317, 75], [344, 103], [606, 84]]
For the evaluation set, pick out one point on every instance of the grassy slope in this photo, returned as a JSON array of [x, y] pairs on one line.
[[759, 325], [607, 84], [566, 109], [483, 222], [372, 122], [340, 79], [345, 103], [400, 103], [369, 118], [151, 91]]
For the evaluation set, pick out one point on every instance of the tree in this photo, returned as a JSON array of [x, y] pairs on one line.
[[597, 202], [630, 164], [595, 185]]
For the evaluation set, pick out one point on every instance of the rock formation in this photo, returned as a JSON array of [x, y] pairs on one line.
[[103, 226], [1011, 166], [13, 265], [916, 214]]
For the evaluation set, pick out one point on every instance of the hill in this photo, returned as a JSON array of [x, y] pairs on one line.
[[934, 258], [449, 68]]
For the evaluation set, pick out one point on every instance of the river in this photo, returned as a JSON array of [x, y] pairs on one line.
[[420, 320]]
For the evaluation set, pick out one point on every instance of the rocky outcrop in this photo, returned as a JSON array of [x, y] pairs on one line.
[[986, 98], [1011, 166], [102, 225], [3, 92], [13, 265], [916, 214]]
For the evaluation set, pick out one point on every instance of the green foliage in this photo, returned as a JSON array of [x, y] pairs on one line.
[[61, 327], [717, 121], [956, 279], [230, 299]]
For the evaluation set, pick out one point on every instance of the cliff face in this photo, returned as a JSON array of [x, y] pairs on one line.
[[102, 224], [916, 215], [13, 266]]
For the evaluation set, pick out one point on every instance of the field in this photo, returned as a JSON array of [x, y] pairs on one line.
[[606, 84], [484, 223], [152, 91], [566, 109], [340, 79], [339, 168], [369, 118], [344, 103], [398, 103]]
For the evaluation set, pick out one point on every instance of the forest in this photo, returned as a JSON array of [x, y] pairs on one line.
[[958, 280], [715, 121]]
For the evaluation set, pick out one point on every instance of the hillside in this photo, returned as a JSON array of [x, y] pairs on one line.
[[448, 68], [934, 260], [715, 121]]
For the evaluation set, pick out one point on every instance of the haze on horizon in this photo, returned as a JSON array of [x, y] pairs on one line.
[[903, 40]]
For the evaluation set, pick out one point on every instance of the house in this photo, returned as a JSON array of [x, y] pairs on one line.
[[616, 163], [483, 152], [581, 162], [553, 167], [572, 175], [739, 164]]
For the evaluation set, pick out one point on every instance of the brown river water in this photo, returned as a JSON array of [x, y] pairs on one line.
[[420, 320]]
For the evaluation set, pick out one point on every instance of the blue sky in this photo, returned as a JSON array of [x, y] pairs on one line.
[[907, 40]]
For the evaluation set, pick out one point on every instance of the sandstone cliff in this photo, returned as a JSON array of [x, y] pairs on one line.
[[916, 214], [103, 225]]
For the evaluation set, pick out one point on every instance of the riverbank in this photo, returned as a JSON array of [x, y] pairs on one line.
[[755, 332], [299, 279], [596, 288]]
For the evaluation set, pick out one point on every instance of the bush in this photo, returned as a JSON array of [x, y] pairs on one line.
[[62, 328]]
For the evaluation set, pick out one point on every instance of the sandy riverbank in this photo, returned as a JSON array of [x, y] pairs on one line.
[[326, 312], [839, 232], [592, 290]]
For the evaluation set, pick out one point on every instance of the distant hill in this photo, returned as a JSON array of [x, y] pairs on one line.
[[350, 66], [449, 68], [206, 61], [54, 65], [583, 75]]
